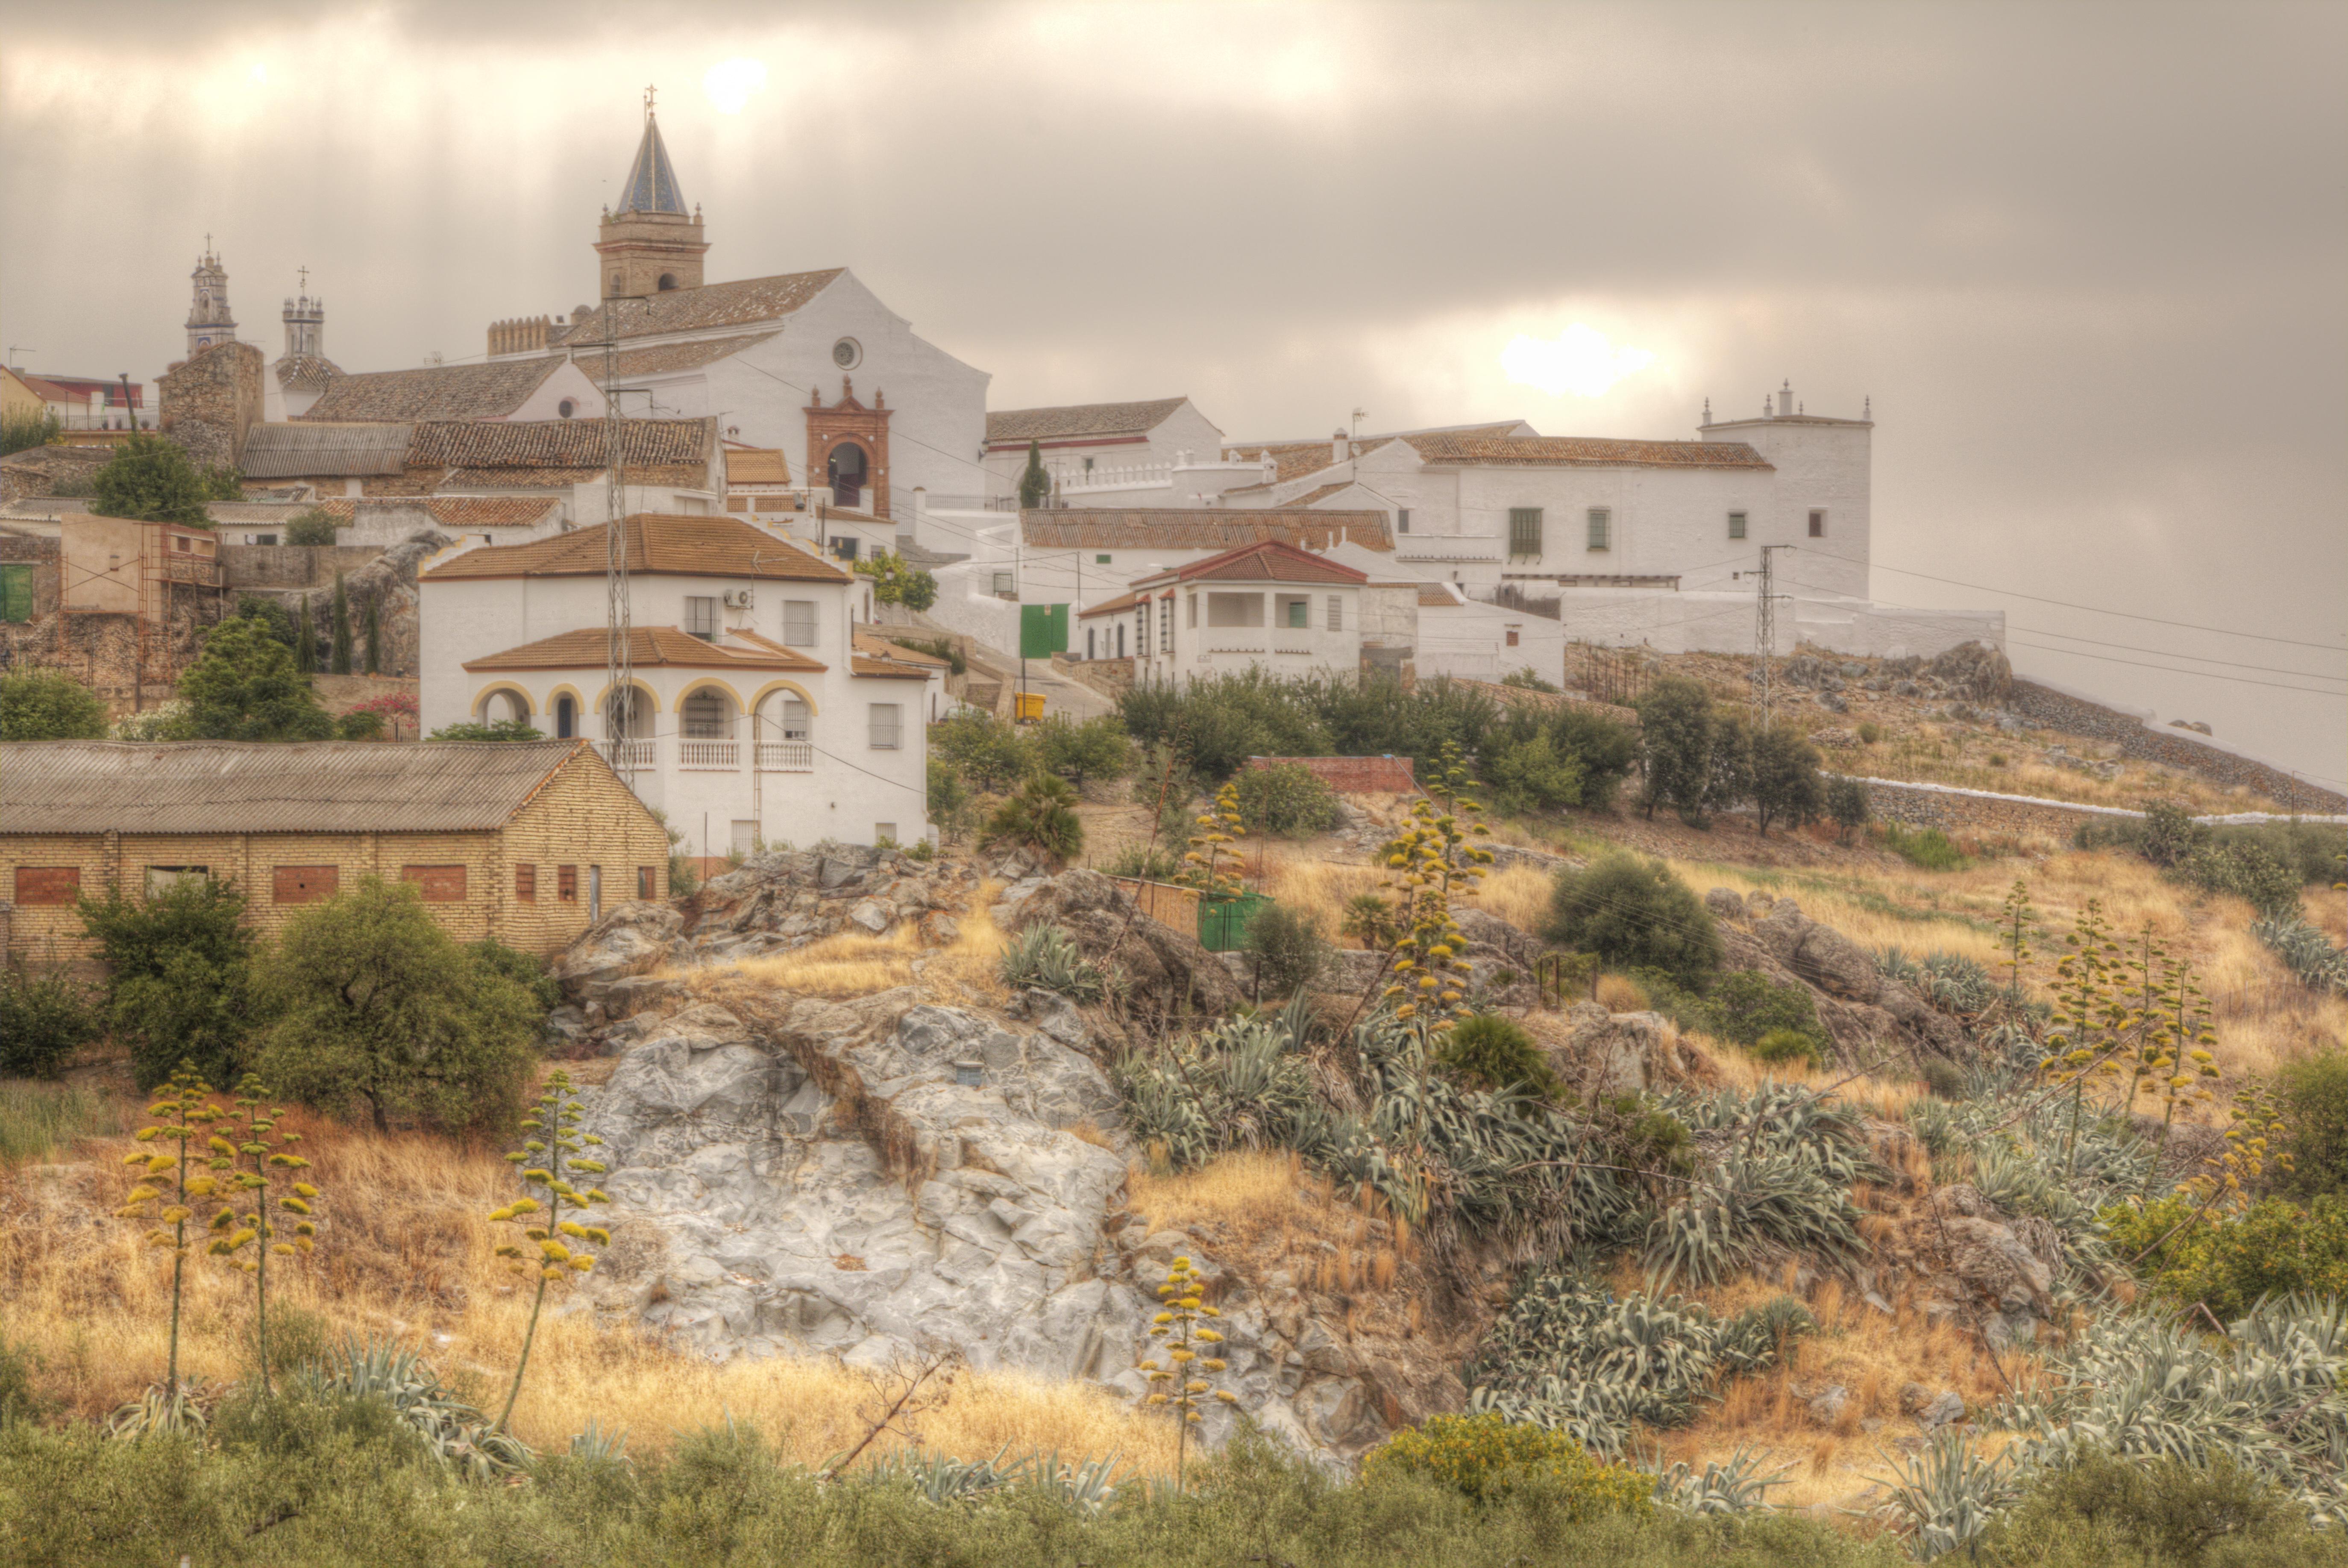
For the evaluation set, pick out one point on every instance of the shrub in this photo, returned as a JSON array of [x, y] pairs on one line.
[[949, 799], [1629, 913], [1488, 1459], [1217, 725], [243, 687], [944, 648], [1373, 920], [35, 1118], [362, 727], [2229, 1261], [2168, 833], [1869, 732], [2314, 1092], [1603, 748], [44, 1019], [179, 977], [1945, 1079], [1489, 1051], [1675, 745], [2100, 1509], [149, 477], [21, 1399], [1095, 749], [1528, 679], [991, 755], [1531, 774], [500, 730], [314, 527], [23, 432], [1047, 957], [1373, 716], [1747, 1005], [1041, 816], [1287, 798], [1928, 849], [1143, 860], [1847, 806], [2244, 869], [1290, 949], [378, 1008], [1780, 1045], [527, 970], [1786, 782], [50, 705]]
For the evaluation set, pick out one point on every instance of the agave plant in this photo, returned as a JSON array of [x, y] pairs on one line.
[[2305, 951], [941, 1477], [596, 1446], [1046, 956], [1738, 1486], [1948, 1494], [180, 1405], [453, 1430]]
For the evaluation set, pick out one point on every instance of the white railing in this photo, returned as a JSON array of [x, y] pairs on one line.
[[709, 754], [633, 756], [786, 757]]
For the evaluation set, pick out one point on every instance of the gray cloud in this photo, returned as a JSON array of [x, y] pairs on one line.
[[2084, 257]]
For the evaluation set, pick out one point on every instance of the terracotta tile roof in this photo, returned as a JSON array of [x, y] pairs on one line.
[[463, 512], [1291, 459], [886, 669], [757, 466], [559, 443], [1111, 606], [1270, 562], [658, 543], [741, 302], [532, 479], [665, 359], [307, 373], [313, 451], [265, 786], [491, 391], [880, 647], [1586, 451], [1435, 596], [1197, 528], [587, 649], [1024, 425]]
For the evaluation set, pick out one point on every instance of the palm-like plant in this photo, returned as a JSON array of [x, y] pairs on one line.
[[1180, 1323], [247, 1166], [166, 1191], [555, 1121]]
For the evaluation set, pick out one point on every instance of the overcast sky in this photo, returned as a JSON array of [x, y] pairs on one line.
[[2085, 258]]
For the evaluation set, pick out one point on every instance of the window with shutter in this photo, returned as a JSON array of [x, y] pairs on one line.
[[526, 884], [1402, 519], [799, 622], [1524, 531], [1337, 613], [16, 592], [566, 883], [1817, 525], [887, 726], [644, 882], [701, 616], [1735, 525], [1602, 529]]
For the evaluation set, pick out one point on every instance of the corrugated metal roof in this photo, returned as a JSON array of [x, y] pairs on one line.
[[301, 451], [254, 787]]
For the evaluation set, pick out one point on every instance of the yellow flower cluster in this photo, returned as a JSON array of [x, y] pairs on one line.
[[1431, 863], [1181, 1383], [1202, 866]]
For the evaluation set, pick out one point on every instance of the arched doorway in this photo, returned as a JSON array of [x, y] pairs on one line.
[[848, 469], [786, 733], [566, 717], [504, 706]]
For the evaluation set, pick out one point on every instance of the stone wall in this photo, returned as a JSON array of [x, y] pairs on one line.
[[1975, 811], [2042, 705], [309, 566], [25, 641], [1110, 678], [208, 402]]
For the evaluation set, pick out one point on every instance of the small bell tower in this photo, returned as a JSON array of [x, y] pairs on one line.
[[649, 244], [210, 321]]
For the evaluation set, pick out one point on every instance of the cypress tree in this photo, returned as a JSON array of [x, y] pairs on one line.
[[342, 665], [373, 635], [1035, 485], [305, 641]]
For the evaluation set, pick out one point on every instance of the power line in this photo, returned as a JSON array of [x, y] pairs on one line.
[[2172, 669]]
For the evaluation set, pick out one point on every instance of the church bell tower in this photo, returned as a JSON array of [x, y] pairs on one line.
[[650, 244], [209, 319]]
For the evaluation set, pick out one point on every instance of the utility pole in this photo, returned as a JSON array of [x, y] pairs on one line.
[[619, 655], [1765, 624]]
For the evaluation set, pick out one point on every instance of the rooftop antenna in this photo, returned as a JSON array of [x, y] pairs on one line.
[[15, 350], [1359, 415]]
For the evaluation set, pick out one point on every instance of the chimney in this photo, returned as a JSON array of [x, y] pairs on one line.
[[1340, 448], [1786, 400]]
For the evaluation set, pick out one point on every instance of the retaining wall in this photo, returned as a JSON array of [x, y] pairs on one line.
[[1951, 809], [2173, 747]]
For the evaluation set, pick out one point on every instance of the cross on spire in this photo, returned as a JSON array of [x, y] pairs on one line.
[[305, 278], [649, 91]]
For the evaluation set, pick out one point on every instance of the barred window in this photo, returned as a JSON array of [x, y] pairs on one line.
[[1337, 613], [1525, 531], [887, 726], [701, 615], [1735, 525], [799, 622], [1602, 529]]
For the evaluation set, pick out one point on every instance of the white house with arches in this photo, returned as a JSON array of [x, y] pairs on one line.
[[760, 709]]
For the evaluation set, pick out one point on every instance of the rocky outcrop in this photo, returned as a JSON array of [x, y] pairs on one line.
[[1167, 971], [2000, 1271], [1615, 1053], [785, 899], [1859, 1009]]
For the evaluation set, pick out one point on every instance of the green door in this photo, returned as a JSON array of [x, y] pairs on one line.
[[16, 593]]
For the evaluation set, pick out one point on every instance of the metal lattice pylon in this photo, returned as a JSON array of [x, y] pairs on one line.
[[619, 670]]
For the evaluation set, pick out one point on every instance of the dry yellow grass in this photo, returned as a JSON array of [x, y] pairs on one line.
[[856, 964], [404, 1252], [1251, 1194]]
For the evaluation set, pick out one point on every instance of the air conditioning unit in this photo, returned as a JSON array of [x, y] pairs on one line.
[[739, 599]]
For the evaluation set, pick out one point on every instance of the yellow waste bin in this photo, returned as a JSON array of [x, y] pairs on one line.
[[1030, 706]]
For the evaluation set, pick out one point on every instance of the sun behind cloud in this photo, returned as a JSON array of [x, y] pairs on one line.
[[730, 83], [1580, 359]]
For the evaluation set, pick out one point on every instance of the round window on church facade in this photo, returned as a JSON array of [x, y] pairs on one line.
[[846, 353], [565, 408]]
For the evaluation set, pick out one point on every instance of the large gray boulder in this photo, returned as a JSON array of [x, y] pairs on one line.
[[1167, 970], [634, 939], [1861, 1012]]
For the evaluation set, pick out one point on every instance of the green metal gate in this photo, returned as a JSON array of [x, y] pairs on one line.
[[1224, 923]]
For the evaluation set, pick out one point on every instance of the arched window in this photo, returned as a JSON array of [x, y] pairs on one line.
[[845, 470], [503, 704], [667, 282], [707, 716], [627, 715], [566, 718], [615, 282]]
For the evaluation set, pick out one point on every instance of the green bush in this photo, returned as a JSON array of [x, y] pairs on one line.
[[1928, 849], [1847, 806], [1041, 815], [503, 730], [377, 1008], [361, 727], [949, 799], [1093, 748], [244, 687], [1489, 1051], [1288, 800], [989, 754], [1217, 725], [50, 705], [1289, 947], [21, 1400], [2312, 1093], [1143, 861], [44, 1019], [2244, 869], [1487, 1460], [1631, 912], [1675, 750], [1747, 1005], [527, 970], [35, 1118], [314, 527], [1781, 1045], [1603, 748], [179, 977], [1531, 774], [149, 477], [2104, 1511], [2228, 1262], [1787, 785]]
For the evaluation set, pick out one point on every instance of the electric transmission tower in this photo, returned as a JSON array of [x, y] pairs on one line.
[[619, 671]]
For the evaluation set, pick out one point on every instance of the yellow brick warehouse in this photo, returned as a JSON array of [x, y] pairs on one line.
[[524, 842]]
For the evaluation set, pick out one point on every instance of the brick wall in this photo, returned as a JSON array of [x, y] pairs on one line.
[[1353, 775], [2172, 747], [584, 817], [208, 402]]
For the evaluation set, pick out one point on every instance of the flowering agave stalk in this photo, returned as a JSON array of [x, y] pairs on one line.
[[248, 1165], [1202, 865], [1179, 1323], [1433, 862], [165, 1190], [558, 1143]]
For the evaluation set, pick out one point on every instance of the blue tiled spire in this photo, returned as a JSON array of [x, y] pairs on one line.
[[652, 183]]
